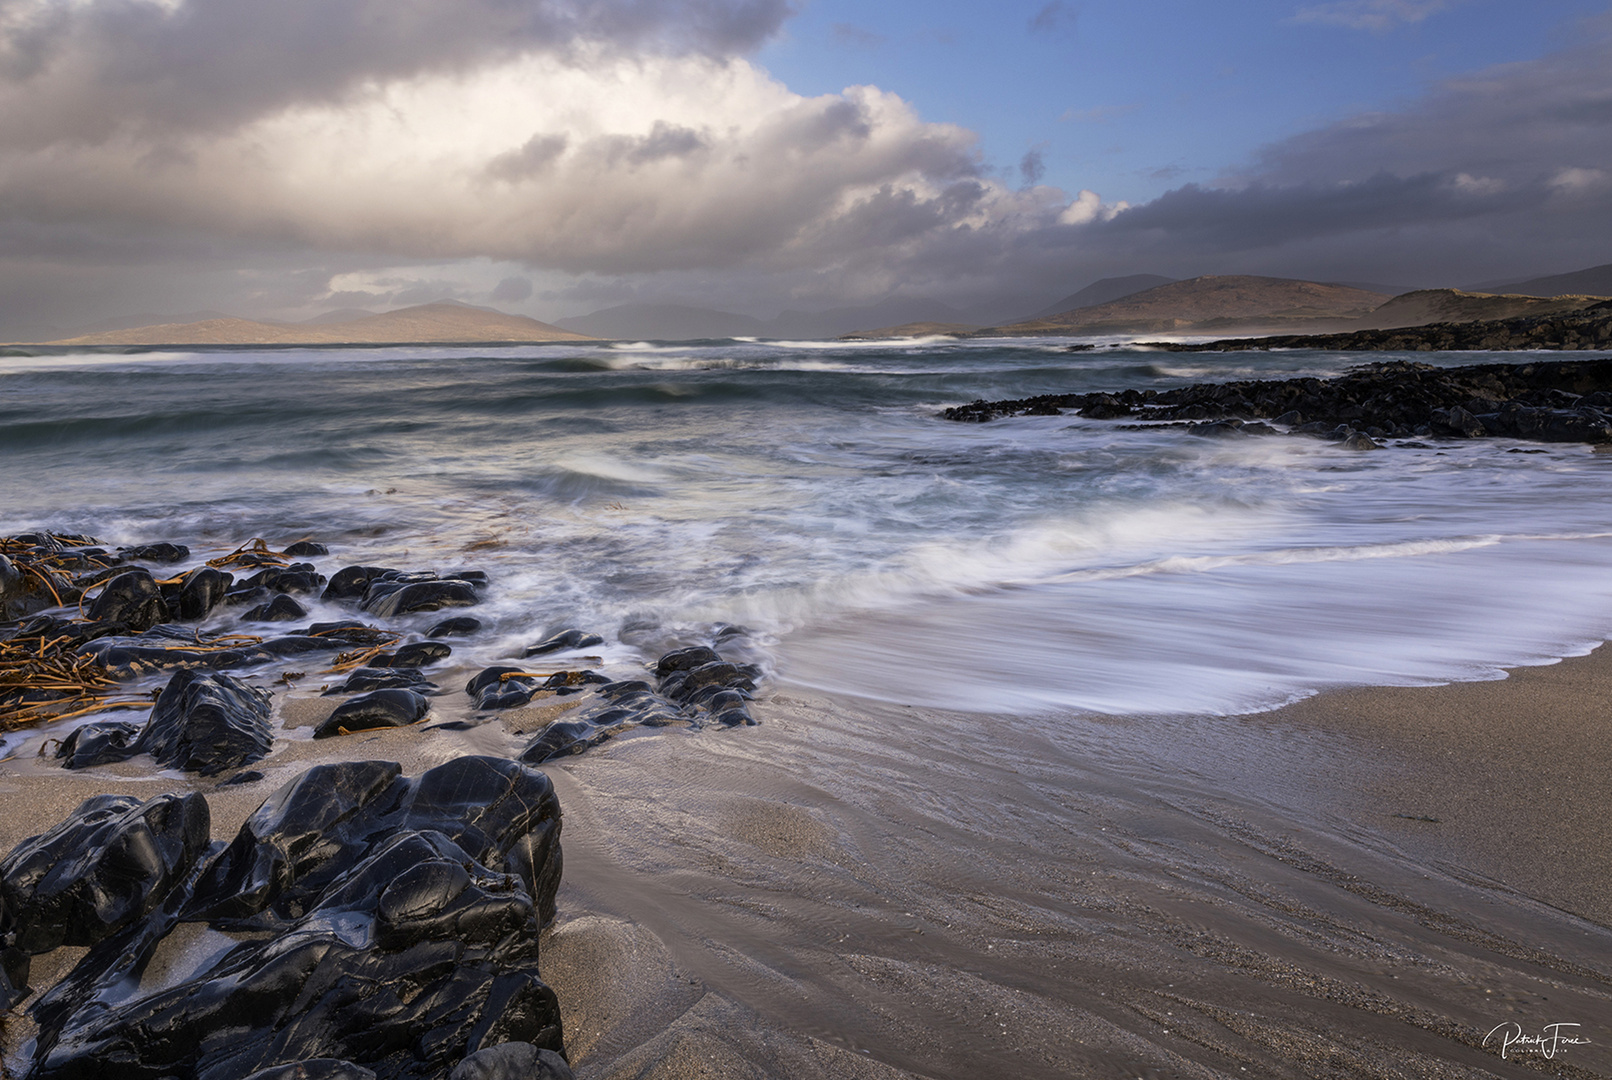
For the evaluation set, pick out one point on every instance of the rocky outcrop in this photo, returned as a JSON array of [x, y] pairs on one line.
[[1587, 328], [1552, 401]]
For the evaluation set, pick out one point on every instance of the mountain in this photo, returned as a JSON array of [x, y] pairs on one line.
[[891, 311], [1101, 292], [1211, 304], [1596, 281], [662, 322], [442, 322], [1426, 306], [340, 315], [676, 322], [914, 329]]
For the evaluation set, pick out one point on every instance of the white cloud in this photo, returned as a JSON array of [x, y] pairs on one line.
[[1575, 181], [1375, 15]]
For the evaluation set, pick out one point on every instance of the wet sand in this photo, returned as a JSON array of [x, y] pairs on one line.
[[874, 891]]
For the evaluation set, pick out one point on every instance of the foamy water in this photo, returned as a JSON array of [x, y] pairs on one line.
[[808, 492]]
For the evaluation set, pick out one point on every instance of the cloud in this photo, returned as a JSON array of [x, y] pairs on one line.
[[1032, 167], [511, 290], [1056, 18], [856, 37], [1374, 15], [96, 70]]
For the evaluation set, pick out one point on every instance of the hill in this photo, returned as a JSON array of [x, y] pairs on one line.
[[443, 322], [1596, 281], [1212, 303], [914, 329], [662, 322], [1102, 291], [1427, 306]]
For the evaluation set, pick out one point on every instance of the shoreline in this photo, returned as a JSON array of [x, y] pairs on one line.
[[880, 891]]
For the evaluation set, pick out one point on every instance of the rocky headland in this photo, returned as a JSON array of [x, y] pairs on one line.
[[1546, 401], [1588, 327]]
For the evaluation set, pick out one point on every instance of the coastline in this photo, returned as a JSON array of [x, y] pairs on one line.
[[879, 891]]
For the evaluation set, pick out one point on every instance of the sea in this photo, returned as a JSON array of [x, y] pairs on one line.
[[806, 502]]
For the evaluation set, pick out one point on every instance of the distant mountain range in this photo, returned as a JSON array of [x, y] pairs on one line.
[[1596, 281], [1137, 303], [443, 322], [675, 322]]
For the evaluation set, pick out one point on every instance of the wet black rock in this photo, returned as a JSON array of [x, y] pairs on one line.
[[303, 549], [414, 655], [281, 609], [378, 709], [304, 836], [100, 744], [363, 680], [396, 935], [163, 553], [133, 599], [109, 864], [207, 723], [621, 706], [566, 641], [1549, 401], [179, 649], [200, 592], [502, 687], [512, 1061], [699, 678], [317, 1069], [457, 626], [390, 597], [352, 582], [297, 578]]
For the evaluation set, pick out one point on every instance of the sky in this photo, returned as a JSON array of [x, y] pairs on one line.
[[553, 157]]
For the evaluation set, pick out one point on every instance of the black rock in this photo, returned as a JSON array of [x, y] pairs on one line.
[[281, 609], [100, 744], [567, 641], [457, 626], [621, 707], [351, 583], [413, 957], [309, 832], [317, 1069], [684, 659], [109, 864], [390, 598], [303, 549], [201, 591], [208, 723], [156, 553], [379, 709], [133, 599], [502, 687], [250, 776], [414, 655], [364, 679], [512, 1061]]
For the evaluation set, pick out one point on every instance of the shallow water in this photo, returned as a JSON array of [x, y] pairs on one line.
[[808, 491]]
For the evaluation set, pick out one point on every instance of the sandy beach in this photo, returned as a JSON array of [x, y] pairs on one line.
[[855, 890]]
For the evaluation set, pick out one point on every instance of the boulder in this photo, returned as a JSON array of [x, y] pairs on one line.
[[378, 709], [108, 865], [512, 1061], [363, 680], [100, 744], [207, 723], [414, 655], [457, 626], [303, 549], [387, 599], [565, 641], [201, 591], [163, 553], [281, 609], [352, 582], [133, 599]]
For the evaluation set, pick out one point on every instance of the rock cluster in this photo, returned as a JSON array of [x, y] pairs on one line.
[[387, 927], [1554, 401]]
